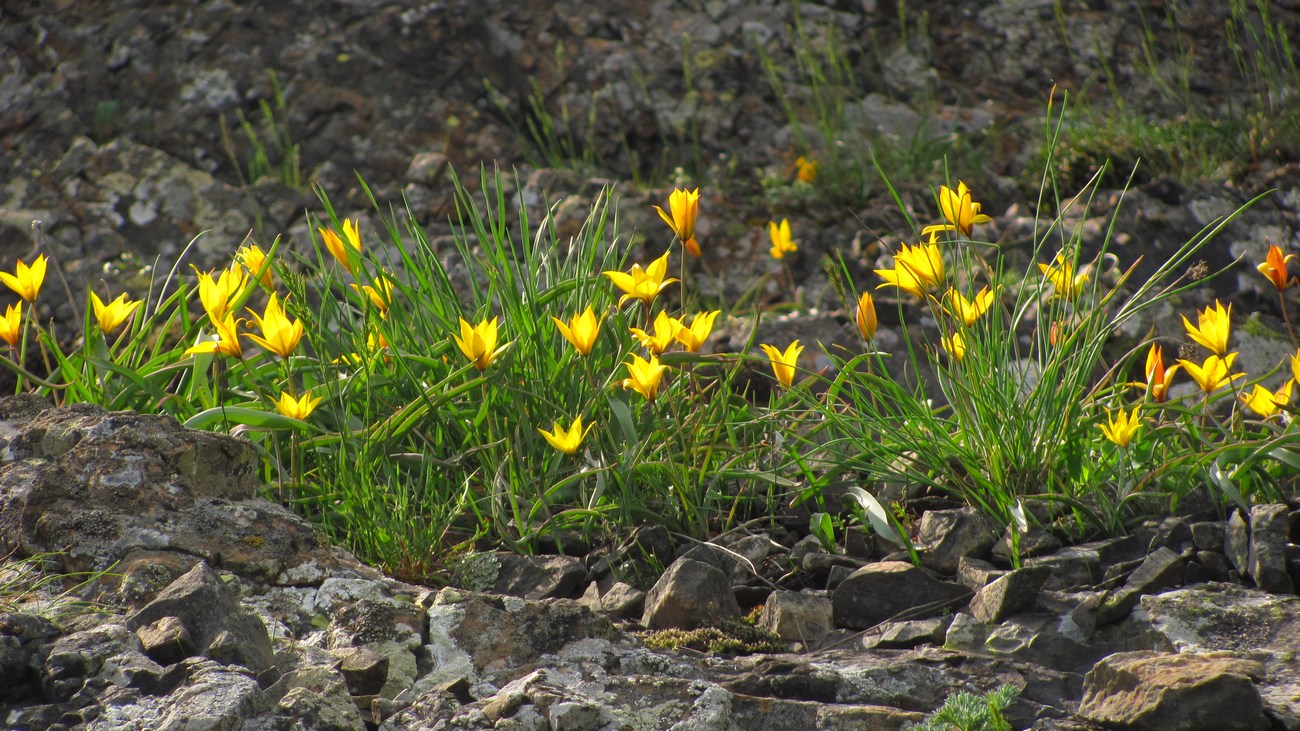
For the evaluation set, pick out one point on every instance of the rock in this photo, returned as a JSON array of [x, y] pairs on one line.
[[1010, 594], [316, 697], [471, 633], [797, 616], [1217, 565], [881, 591], [907, 634], [105, 654], [690, 594], [1267, 559], [1160, 691], [214, 697], [1207, 535], [945, 536], [166, 640], [210, 613], [539, 577], [1071, 568], [364, 670], [1236, 542], [623, 600], [1228, 617], [1163, 569], [1037, 542], [973, 573], [107, 484]]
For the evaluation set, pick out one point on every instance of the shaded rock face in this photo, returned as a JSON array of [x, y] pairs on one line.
[[99, 485]]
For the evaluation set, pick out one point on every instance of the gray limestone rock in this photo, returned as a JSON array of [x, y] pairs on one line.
[[1267, 558], [1009, 594], [690, 594], [210, 612], [1163, 569], [945, 536], [881, 591], [797, 616], [539, 577]]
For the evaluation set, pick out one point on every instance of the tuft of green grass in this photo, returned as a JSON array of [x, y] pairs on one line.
[[965, 711], [270, 150]]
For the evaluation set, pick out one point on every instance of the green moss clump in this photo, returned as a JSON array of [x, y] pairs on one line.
[[728, 638]]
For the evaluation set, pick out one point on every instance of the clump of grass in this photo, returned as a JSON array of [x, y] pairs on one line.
[[270, 149], [517, 387], [36, 585], [1175, 134], [965, 711]]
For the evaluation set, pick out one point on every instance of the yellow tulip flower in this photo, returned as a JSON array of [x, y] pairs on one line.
[[692, 338], [640, 284], [479, 342], [566, 440], [1211, 329], [866, 316], [1295, 366], [1213, 374], [1268, 403], [219, 293], [969, 310], [11, 325], [113, 315], [954, 345], [805, 169], [1274, 268], [644, 376], [253, 258], [280, 335], [665, 331], [1067, 285], [782, 243], [1158, 377], [685, 207], [783, 363], [917, 269], [1120, 427], [959, 209], [226, 342], [581, 331], [380, 294], [26, 281], [344, 253], [297, 408]]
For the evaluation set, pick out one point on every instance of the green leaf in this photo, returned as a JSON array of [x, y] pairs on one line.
[[821, 525], [244, 416], [876, 514], [623, 417]]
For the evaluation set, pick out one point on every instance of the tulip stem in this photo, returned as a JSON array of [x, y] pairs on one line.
[[1286, 318]]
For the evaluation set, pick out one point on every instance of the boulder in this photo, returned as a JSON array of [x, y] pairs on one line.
[[689, 595], [539, 577], [102, 485], [881, 591], [1160, 691], [797, 616], [1009, 594], [945, 536], [209, 612]]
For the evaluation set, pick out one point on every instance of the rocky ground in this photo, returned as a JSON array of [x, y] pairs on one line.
[[223, 610]]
